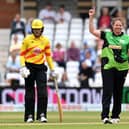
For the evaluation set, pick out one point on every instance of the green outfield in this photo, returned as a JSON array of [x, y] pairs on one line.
[[71, 120]]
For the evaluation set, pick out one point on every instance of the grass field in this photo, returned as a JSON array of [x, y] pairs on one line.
[[71, 120]]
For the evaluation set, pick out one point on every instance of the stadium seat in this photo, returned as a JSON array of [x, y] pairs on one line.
[[49, 31], [76, 31], [76, 20], [20, 38], [97, 82], [72, 70], [86, 23], [59, 71], [61, 34]]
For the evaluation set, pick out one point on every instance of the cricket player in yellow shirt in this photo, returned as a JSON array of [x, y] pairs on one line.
[[34, 52]]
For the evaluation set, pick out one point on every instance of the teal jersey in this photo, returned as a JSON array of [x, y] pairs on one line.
[[115, 51]]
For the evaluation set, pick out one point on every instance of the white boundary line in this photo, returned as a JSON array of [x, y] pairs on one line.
[[59, 124]]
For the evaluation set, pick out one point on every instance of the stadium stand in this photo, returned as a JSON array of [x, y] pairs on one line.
[[49, 31], [61, 34], [76, 30], [72, 69]]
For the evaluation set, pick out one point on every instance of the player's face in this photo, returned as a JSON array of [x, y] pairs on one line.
[[37, 32], [117, 27]]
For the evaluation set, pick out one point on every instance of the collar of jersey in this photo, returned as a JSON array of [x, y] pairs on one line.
[[117, 35], [35, 37]]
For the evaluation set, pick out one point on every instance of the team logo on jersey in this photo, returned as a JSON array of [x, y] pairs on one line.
[[32, 41], [115, 47], [37, 50]]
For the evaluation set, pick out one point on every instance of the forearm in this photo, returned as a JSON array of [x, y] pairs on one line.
[[92, 28], [91, 25]]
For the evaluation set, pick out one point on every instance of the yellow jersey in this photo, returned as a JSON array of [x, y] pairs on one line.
[[36, 51]]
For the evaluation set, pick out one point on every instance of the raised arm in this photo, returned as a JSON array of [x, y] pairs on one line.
[[92, 29]]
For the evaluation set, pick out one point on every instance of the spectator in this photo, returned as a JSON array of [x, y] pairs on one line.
[[97, 65], [73, 52], [86, 71], [84, 50], [62, 15], [104, 19], [17, 26], [47, 15], [59, 55], [12, 68], [15, 44], [64, 79], [119, 13], [28, 25], [127, 16]]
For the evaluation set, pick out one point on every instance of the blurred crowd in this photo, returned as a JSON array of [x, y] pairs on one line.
[[75, 66]]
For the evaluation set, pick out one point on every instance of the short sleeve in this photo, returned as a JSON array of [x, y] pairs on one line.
[[102, 36]]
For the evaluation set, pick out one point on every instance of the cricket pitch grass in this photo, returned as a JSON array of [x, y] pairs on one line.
[[71, 120]]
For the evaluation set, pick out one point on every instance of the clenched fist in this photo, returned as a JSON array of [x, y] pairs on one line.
[[91, 12]]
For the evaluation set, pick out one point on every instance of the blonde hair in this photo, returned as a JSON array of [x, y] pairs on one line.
[[117, 19]]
